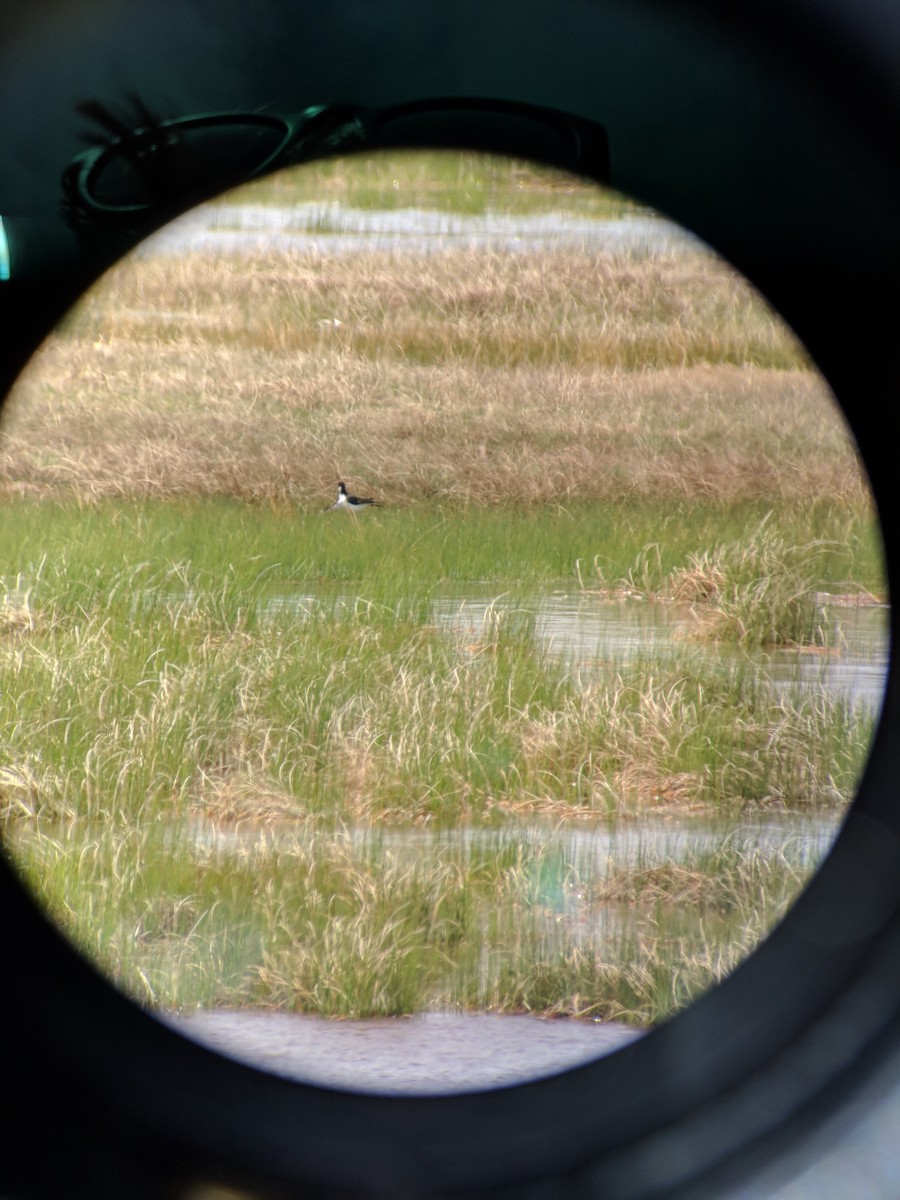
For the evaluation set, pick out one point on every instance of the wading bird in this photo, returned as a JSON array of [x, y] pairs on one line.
[[350, 503]]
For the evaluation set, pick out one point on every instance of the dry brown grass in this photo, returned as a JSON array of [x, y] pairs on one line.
[[453, 375], [723, 879], [16, 617], [237, 798]]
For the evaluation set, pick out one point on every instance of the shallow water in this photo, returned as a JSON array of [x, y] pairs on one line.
[[565, 858], [587, 633], [439, 1053], [443, 1052], [434, 1053], [334, 229], [590, 848]]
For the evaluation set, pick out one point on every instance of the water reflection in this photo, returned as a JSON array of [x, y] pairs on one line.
[[442, 1052], [567, 859], [586, 634], [591, 850]]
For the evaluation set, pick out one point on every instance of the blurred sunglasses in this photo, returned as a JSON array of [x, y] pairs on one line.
[[138, 172]]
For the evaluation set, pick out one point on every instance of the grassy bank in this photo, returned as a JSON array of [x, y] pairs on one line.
[[451, 182], [632, 547]]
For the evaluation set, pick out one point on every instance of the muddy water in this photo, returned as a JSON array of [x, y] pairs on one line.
[[434, 1053]]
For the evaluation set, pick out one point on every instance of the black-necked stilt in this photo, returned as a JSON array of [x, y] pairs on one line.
[[351, 503]]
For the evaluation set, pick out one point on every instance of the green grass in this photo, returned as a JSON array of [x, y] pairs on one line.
[[373, 713], [759, 586], [447, 181], [185, 754], [239, 549], [319, 922], [162, 659]]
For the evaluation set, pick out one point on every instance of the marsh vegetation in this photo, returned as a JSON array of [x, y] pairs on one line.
[[217, 698]]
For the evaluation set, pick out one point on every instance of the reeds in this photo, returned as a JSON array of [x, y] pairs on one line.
[[758, 589]]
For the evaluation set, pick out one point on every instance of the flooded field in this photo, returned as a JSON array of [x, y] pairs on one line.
[[587, 633], [439, 1052], [268, 768], [446, 1051]]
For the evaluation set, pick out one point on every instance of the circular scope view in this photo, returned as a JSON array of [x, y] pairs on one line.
[[434, 593]]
